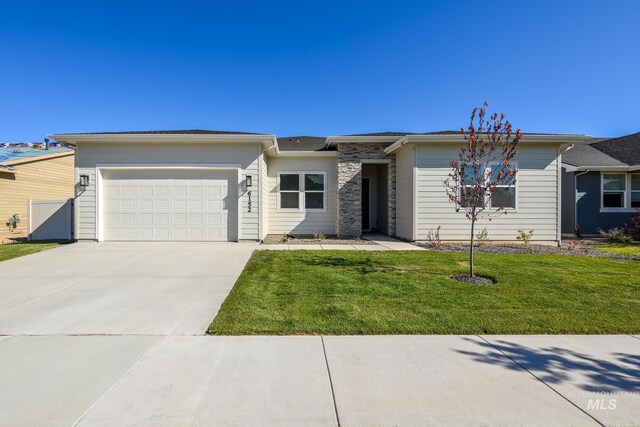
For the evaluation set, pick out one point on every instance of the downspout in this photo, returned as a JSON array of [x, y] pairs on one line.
[[575, 196]]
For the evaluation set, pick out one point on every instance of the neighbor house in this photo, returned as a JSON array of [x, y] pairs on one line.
[[28, 173], [214, 185], [601, 184]]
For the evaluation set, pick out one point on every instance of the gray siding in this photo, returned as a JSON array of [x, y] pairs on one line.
[[589, 201], [568, 202], [88, 156], [537, 196], [405, 160]]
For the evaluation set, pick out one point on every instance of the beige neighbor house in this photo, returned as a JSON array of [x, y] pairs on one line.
[[216, 185], [33, 174]]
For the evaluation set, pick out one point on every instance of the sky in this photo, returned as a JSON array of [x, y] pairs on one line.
[[317, 67]]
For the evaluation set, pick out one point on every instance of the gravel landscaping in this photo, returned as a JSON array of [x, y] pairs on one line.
[[278, 239], [581, 249]]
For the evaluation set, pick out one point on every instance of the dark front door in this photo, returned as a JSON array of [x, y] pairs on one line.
[[365, 204]]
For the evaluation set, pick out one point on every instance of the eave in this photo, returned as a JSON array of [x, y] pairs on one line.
[[459, 139]]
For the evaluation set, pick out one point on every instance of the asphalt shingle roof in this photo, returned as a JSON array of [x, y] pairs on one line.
[[625, 149], [169, 132], [302, 143], [587, 155]]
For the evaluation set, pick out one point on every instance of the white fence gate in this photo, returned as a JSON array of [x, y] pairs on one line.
[[51, 219]]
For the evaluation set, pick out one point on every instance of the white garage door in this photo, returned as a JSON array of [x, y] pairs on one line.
[[170, 205]]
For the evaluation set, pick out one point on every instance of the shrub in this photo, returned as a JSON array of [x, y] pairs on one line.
[[633, 230], [433, 239], [525, 236], [483, 236], [614, 235], [319, 236]]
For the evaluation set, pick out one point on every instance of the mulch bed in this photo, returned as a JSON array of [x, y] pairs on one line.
[[475, 280], [520, 249]]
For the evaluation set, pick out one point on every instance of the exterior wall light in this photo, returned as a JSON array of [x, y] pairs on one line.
[[249, 181], [84, 180]]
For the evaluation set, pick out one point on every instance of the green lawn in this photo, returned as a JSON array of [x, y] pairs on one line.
[[621, 248], [356, 292], [16, 250]]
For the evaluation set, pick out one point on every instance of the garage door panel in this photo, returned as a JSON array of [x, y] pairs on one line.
[[170, 205]]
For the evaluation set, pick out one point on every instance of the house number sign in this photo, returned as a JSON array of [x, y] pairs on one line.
[[249, 201]]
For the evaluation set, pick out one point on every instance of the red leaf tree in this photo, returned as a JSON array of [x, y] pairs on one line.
[[483, 166]]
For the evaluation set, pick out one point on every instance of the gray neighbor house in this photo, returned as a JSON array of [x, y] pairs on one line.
[[600, 184]]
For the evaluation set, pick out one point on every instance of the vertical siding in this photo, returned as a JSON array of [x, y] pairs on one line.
[[49, 179], [405, 193], [280, 222], [537, 196], [90, 155]]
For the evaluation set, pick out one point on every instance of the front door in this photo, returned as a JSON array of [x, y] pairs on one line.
[[366, 226]]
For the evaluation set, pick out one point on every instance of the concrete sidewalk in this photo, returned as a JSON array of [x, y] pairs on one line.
[[317, 381], [380, 242]]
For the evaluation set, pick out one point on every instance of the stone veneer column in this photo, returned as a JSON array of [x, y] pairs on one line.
[[349, 188]]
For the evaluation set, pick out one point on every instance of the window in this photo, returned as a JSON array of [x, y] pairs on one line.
[[613, 190], [504, 195], [469, 192], [635, 190], [302, 190]]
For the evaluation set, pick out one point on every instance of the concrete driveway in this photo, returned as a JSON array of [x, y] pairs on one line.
[[119, 288]]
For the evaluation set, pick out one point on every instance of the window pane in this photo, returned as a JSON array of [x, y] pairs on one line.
[[635, 181], [314, 181], [469, 194], [290, 182], [613, 200], [289, 201], [504, 198], [469, 177], [509, 176], [635, 199], [613, 181], [314, 200]]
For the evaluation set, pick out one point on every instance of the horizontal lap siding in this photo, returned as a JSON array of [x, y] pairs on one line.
[[404, 193], [280, 222], [47, 179], [183, 154], [537, 194]]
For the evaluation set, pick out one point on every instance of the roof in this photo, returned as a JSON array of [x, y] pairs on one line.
[[168, 132], [588, 155], [440, 132], [302, 143], [13, 155], [625, 149]]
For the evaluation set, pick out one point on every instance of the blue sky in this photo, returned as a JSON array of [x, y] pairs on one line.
[[317, 68]]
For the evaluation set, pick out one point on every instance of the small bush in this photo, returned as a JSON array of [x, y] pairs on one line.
[[433, 239], [483, 236], [633, 230], [319, 236], [285, 238], [525, 236], [615, 235]]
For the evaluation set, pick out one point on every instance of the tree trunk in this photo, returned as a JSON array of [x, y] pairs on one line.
[[473, 223]]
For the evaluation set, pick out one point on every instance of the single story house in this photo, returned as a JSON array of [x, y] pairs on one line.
[[217, 185], [601, 184], [28, 173]]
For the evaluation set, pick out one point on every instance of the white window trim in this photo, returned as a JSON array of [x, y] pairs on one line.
[[631, 190], [301, 191], [487, 201], [626, 198]]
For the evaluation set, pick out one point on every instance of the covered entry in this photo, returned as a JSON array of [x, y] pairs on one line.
[[169, 204], [375, 201]]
